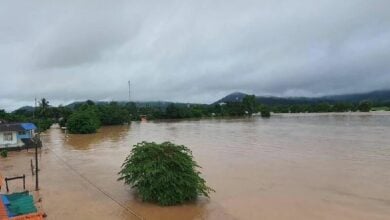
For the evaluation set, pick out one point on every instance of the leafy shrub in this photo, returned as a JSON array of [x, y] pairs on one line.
[[365, 106], [163, 173], [265, 112], [4, 153], [83, 122]]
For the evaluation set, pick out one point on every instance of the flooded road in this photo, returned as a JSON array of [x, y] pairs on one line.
[[300, 167]]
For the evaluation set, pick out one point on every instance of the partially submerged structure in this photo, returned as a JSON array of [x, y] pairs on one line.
[[19, 206], [16, 135]]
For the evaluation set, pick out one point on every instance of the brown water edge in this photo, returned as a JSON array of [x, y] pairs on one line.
[[288, 167]]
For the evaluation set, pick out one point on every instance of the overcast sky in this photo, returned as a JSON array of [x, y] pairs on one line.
[[190, 51]]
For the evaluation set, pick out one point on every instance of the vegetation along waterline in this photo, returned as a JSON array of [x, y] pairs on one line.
[[87, 117]]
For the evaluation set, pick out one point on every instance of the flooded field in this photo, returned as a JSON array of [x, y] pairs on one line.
[[315, 166]]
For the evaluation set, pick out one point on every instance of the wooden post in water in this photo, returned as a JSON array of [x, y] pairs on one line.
[[15, 178], [6, 184], [36, 165], [24, 182], [32, 168]]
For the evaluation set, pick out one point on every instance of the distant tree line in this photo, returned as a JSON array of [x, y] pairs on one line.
[[364, 106], [87, 117]]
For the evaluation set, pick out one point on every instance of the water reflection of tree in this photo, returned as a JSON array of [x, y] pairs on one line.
[[107, 134]]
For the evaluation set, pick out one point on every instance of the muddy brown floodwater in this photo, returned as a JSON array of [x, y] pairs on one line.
[[328, 166]]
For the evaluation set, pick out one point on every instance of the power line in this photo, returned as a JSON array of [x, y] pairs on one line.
[[95, 186]]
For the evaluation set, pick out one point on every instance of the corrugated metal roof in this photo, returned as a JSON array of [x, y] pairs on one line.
[[20, 204], [11, 127], [23, 205], [29, 126], [17, 127]]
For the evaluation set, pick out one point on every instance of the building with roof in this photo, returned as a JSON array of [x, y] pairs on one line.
[[13, 135]]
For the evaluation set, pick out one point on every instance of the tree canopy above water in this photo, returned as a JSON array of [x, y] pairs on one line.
[[163, 173]]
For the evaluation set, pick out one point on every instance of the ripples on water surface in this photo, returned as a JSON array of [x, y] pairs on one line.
[[286, 167]]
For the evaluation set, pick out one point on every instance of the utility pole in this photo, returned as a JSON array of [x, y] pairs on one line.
[[36, 142], [35, 106], [129, 92]]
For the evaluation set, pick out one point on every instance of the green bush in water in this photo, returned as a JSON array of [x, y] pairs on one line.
[[265, 112], [83, 122], [364, 106], [4, 153], [163, 173]]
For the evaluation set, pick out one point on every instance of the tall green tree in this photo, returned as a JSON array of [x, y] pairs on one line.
[[365, 106], [131, 107], [234, 109], [43, 107], [84, 121], [173, 111], [113, 114], [249, 103], [265, 112]]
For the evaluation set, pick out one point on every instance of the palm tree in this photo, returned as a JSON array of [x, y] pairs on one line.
[[43, 105]]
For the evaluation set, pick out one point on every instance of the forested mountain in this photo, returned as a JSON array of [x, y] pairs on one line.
[[375, 96]]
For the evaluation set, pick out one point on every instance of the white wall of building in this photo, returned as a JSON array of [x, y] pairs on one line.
[[12, 143]]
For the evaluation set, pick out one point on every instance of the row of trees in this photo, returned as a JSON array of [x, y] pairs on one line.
[[364, 106], [248, 107], [88, 116]]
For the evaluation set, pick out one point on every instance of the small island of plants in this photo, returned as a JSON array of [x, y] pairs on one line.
[[164, 173]]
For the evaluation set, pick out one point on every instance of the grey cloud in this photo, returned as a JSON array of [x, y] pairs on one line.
[[191, 50]]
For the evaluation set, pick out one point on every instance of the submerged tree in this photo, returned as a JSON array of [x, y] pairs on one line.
[[83, 121], [365, 106], [265, 112], [113, 114], [163, 173], [249, 103]]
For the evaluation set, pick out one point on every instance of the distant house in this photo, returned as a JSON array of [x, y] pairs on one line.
[[16, 134]]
